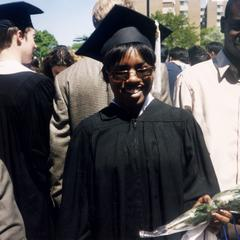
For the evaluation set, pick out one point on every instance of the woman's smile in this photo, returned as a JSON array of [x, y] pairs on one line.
[[132, 80]]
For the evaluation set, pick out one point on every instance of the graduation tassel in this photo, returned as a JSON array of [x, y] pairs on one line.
[[156, 88]]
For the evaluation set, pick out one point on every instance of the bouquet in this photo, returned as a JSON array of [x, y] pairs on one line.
[[199, 215]]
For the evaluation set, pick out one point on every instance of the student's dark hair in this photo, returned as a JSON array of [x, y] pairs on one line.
[[6, 36], [214, 47], [197, 54], [114, 56], [59, 56], [179, 53]]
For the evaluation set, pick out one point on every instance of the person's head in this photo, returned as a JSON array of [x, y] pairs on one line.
[[230, 26], [102, 7], [126, 49], [164, 53], [129, 70], [16, 29], [56, 61], [178, 53], [213, 48], [197, 54], [34, 65]]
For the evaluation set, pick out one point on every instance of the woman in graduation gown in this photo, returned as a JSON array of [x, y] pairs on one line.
[[138, 163]]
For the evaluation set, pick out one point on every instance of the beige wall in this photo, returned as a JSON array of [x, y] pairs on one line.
[[194, 12], [155, 5], [140, 6], [211, 13]]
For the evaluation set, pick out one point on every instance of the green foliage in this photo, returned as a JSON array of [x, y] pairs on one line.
[[211, 35], [76, 46], [45, 42], [78, 42], [184, 34]]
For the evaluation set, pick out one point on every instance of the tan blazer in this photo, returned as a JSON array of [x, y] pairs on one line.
[[11, 222]]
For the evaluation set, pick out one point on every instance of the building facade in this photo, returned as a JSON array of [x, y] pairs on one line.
[[206, 16], [190, 8], [213, 12]]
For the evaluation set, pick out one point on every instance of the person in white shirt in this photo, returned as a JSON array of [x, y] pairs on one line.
[[211, 91]]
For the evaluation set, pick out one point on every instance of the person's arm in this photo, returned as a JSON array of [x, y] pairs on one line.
[[11, 222], [164, 93], [182, 96], [59, 137], [200, 177], [165, 90], [75, 217]]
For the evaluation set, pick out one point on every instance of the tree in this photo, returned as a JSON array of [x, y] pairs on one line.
[[45, 42], [76, 46], [211, 35], [184, 34], [78, 42]]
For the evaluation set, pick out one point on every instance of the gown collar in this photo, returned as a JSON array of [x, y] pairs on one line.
[[148, 100], [12, 66]]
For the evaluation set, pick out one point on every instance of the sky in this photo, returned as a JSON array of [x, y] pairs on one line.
[[65, 19]]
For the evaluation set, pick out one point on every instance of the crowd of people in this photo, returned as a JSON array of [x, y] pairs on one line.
[[117, 141]]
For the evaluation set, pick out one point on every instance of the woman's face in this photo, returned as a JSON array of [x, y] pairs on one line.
[[131, 80], [57, 69]]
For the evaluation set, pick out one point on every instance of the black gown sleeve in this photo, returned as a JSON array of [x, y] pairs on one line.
[[200, 177], [76, 190]]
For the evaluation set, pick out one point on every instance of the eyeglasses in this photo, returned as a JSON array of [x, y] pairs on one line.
[[123, 75]]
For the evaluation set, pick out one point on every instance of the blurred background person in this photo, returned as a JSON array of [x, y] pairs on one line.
[[56, 61], [35, 65], [213, 48], [197, 54], [164, 53], [178, 61]]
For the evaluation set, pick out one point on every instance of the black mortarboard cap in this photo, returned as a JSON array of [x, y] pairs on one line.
[[17, 14], [121, 25]]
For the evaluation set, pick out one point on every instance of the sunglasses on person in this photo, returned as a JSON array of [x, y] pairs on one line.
[[119, 74]]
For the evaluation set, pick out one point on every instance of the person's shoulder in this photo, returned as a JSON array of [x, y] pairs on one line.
[[32, 76], [198, 68], [35, 84], [80, 67], [167, 113], [38, 79], [90, 123], [199, 74]]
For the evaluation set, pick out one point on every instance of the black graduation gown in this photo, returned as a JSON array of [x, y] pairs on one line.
[[25, 111], [123, 175]]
